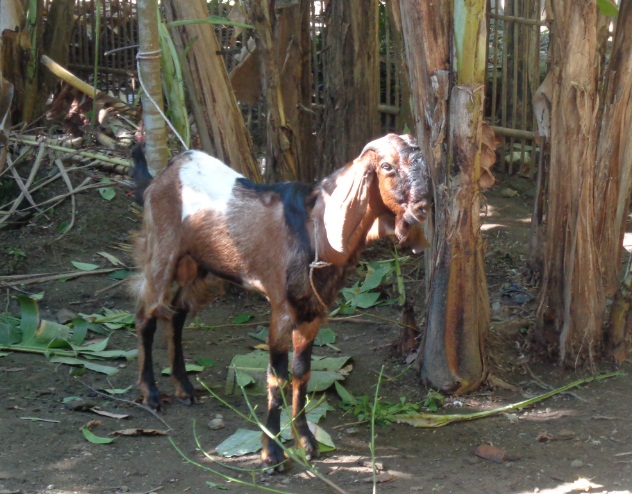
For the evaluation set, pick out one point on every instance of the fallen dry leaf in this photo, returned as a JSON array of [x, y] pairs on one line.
[[488, 452], [98, 411], [93, 424], [138, 432]]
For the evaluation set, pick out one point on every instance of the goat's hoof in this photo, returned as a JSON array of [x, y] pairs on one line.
[[186, 400], [273, 458], [153, 400], [310, 446]]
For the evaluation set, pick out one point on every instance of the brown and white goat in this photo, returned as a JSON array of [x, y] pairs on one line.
[[204, 220]]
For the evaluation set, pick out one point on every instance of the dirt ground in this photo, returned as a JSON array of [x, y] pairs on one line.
[[575, 442]]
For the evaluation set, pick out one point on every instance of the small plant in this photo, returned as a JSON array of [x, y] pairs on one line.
[[17, 254], [366, 293], [365, 407]]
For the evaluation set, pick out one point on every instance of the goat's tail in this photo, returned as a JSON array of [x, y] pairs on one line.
[[140, 173]]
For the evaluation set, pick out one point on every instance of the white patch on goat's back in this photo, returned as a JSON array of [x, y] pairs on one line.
[[207, 184]]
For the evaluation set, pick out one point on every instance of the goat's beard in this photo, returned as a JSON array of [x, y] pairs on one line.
[[408, 230]]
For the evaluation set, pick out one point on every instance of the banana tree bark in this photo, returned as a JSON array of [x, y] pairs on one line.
[[614, 183], [219, 121], [149, 73], [351, 86], [572, 300], [453, 352], [283, 58]]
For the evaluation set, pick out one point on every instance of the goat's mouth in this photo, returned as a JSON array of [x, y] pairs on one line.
[[416, 213]]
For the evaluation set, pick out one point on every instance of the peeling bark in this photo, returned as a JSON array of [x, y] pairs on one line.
[[219, 121], [453, 351], [351, 71]]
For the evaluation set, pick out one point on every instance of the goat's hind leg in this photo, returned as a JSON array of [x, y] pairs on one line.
[[145, 331], [184, 389]]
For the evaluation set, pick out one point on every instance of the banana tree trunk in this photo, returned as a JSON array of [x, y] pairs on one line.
[[219, 121], [149, 73], [453, 352]]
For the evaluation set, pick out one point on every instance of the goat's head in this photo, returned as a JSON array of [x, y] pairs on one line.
[[391, 180], [404, 184]]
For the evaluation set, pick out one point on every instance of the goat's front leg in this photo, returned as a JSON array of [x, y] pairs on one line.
[[278, 341], [145, 330], [303, 342], [184, 390]]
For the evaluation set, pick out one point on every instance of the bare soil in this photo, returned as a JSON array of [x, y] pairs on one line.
[[574, 442]]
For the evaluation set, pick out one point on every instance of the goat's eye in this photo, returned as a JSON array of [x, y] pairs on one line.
[[387, 167]]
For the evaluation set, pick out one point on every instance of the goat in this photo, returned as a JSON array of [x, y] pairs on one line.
[[293, 242]]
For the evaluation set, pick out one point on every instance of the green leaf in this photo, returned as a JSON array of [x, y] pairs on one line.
[[121, 274], [325, 336], [84, 266], [376, 272], [366, 300], [608, 7], [345, 396], [188, 368], [242, 318], [242, 442], [325, 371], [108, 193], [63, 227], [70, 399], [103, 369], [117, 391], [205, 362], [94, 439], [261, 335], [4, 354]]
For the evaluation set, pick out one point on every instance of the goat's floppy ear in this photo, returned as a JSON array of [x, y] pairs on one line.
[[348, 203]]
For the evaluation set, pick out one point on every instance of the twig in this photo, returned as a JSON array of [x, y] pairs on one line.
[[73, 201], [543, 385], [128, 402], [74, 152], [54, 277], [113, 285]]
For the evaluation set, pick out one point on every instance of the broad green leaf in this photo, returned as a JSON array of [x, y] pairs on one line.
[[243, 379], [30, 317], [108, 193], [4, 354], [261, 335], [80, 322], [325, 371], [205, 361], [94, 439], [325, 336], [608, 7], [322, 380], [242, 442], [366, 300], [103, 369], [375, 275], [242, 318], [345, 396], [84, 266], [121, 274], [322, 437], [188, 368]]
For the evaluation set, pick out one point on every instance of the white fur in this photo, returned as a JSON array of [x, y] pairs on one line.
[[207, 184]]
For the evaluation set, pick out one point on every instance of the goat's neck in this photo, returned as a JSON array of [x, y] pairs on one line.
[[353, 243]]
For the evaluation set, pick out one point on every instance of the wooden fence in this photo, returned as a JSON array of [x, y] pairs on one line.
[[516, 61]]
